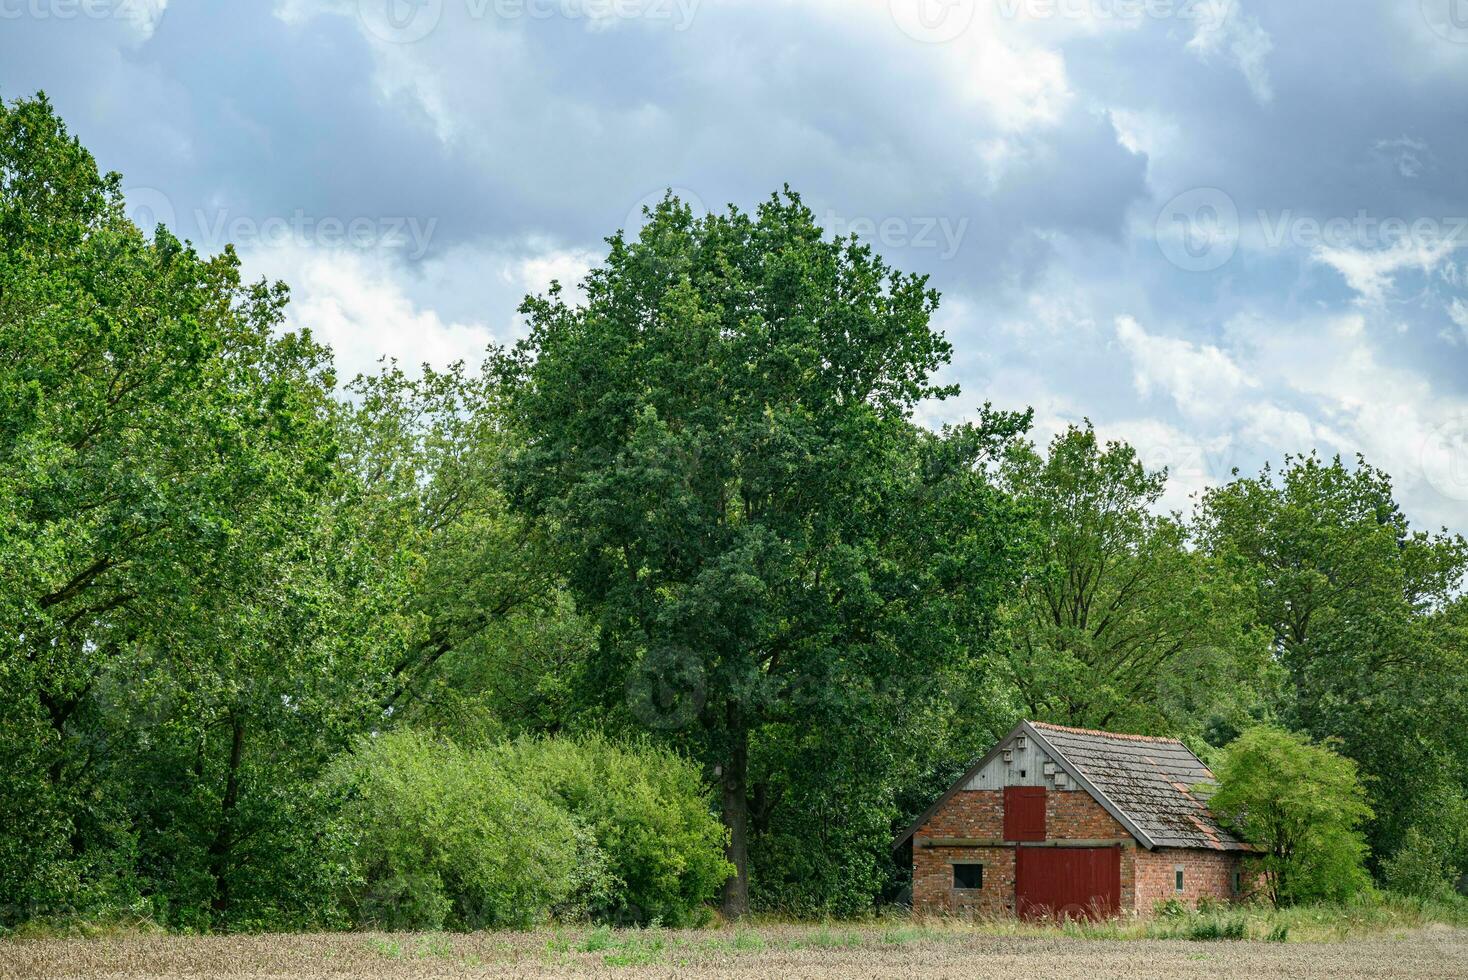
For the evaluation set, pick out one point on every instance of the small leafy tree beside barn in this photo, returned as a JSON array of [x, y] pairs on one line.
[[1302, 806]]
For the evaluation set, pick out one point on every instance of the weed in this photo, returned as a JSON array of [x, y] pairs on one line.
[[597, 940], [385, 947]]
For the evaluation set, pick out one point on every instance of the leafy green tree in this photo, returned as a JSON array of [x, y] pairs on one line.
[[1365, 622], [431, 554], [1301, 805], [1119, 622], [720, 437], [162, 448]]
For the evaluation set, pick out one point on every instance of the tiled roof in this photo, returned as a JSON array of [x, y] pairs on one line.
[[1149, 780]]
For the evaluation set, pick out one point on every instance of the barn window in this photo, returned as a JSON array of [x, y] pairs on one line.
[[1024, 813], [969, 876], [1178, 874], [1238, 881]]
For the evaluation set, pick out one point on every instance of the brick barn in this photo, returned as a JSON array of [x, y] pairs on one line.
[[1071, 822]]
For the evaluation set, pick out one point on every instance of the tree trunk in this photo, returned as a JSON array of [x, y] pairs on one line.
[[219, 850], [735, 788]]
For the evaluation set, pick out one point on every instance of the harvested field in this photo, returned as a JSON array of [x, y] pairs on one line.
[[830, 953]]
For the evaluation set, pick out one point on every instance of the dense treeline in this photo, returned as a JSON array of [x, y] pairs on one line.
[[678, 577]]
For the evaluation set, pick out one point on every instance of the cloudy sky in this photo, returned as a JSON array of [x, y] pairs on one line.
[[1223, 230]]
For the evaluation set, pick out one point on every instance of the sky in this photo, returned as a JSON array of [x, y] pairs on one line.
[[1222, 230]]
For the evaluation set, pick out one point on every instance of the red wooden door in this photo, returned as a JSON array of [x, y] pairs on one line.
[[1024, 813], [1067, 882]]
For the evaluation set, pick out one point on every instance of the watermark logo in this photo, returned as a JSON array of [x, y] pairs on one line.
[[1447, 18], [148, 207], [1445, 458], [212, 229], [1198, 230], [942, 234], [144, 14], [933, 21], [666, 690], [400, 21]]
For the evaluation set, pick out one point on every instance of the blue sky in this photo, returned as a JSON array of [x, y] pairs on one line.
[[1220, 229]]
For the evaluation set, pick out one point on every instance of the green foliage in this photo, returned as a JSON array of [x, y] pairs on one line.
[[1119, 623], [1424, 865], [695, 508], [443, 836], [1301, 806], [1368, 623], [647, 810], [162, 448], [721, 437]]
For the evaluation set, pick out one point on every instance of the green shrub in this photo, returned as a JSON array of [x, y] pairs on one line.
[[1421, 867], [442, 838], [1302, 806], [513, 834], [649, 813]]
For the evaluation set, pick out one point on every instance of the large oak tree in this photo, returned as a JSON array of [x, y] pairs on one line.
[[721, 434]]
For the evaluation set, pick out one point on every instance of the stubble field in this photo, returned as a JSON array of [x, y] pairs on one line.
[[1436, 952]]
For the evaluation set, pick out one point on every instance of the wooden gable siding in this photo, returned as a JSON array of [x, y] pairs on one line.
[[1028, 766]]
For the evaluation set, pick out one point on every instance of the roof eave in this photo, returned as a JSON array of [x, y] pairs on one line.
[[948, 794]]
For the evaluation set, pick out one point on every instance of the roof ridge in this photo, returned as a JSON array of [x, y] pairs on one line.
[[1095, 731]]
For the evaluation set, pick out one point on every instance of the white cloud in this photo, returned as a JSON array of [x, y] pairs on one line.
[[1458, 313], [1371, 272], [1222, 26], [1201, 379], [367, 304]]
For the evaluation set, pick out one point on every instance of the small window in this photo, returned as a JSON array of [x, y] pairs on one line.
[[1238, 881], [968, 876], [1178, 874]]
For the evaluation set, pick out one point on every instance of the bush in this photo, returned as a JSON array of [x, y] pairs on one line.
[[513, 834], [649, 813], [442, 838], [1422, 866], [1301, 805]]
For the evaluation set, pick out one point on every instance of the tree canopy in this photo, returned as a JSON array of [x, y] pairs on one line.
[[682, 580]]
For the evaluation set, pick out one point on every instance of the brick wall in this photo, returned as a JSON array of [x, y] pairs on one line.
[[979, 814], [1206, 874]]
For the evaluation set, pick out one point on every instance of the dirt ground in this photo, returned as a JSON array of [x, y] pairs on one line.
[[774, 953]]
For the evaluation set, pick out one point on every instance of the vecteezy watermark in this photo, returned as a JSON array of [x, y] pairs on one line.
[[141, 12], [1445, 458], [666, 689], [933, 21], [943, 234], [1200, 230], [1447, 18], [406, 21], [212, 229]]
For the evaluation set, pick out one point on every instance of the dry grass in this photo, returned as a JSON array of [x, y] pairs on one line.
[[894, 950]]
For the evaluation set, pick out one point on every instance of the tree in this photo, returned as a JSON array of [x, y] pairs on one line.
[[1300, 805], [436, 564], [1365, 622], [162, 448], [1119, 623], [721, 438]]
